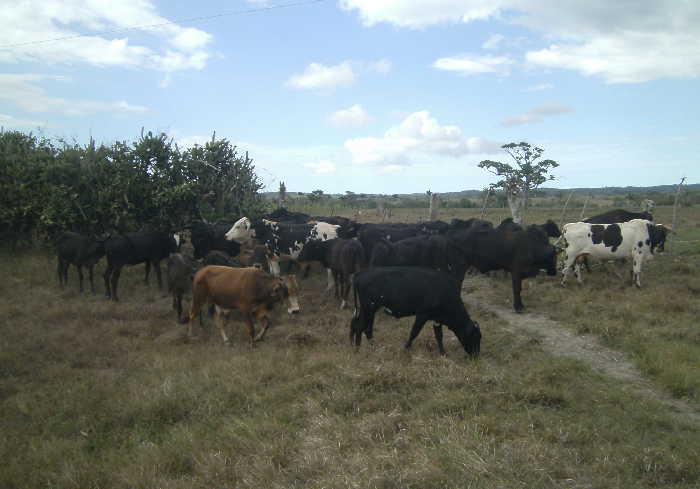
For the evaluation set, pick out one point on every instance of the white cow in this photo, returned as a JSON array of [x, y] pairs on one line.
[[632, 240]]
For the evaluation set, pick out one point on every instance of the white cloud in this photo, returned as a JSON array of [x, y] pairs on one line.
[[322, 167], [536, 114], [417, 14], [9, 121], [621, 42], [318, 76], [22, 90], [353, 116], [493, 41], [417, 134], [538, 88], [474, 65], [171, 47], [382, 66]]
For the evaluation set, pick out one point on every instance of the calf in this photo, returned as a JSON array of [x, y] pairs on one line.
[[343, 257], [76, 249], [149, 247], [413, 291], [255, 256], [179, 273], [251, 291], [634, 239], [522, 253], [217, 257]]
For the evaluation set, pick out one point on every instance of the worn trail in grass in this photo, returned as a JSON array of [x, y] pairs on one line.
[[558, 340]]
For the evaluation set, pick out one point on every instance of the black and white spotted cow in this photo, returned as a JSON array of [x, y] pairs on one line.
[[635, 240], [283, 240]]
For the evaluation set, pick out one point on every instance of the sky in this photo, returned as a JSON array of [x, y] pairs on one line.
[[370, 96]]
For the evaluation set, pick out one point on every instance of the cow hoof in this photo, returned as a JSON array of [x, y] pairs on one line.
[[519, 310]]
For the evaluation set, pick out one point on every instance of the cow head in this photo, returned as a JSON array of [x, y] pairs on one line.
[[241, 231], [470, 338], [550, 227], [348, 230], [292, 288], [657, 235]]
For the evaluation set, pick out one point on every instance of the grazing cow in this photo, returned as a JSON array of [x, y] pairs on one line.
[[280, 239], [550, 227], [343, 257], [251, 291], [618, 215], [149, 247], [413, 291], [207, 237], [522, 253], [634, 239], [76, 249], [179, 273]]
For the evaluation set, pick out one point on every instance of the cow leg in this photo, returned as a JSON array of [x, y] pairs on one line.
[[265, 324], [80, 277], [275, 266], [416, 329], [115, 282], [437, 329], [517, 288], [148, 272], [158, 275], [566, 268], [251, 328], [178, 306], [59, 271], [344, 290], [107, 276], [330, 279], [637, 271], [92, 283], [220, 323]]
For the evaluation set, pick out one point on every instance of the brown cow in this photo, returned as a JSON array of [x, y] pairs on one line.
[[250, 290]]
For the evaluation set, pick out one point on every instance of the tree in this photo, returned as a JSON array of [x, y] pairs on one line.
[[519, 180], [315, 196]]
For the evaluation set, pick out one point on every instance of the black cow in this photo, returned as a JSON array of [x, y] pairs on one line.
[[208, 237], [413, 291], [76, 249], [618, 215], [550, 227], [149, 247], [522, 253], [283, 215], [343, 257], [472, 223], [179, 273], [434, 227], [220, 258], [371, 234], [433, 251]]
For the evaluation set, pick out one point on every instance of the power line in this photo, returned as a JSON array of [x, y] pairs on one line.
[[151, 26]]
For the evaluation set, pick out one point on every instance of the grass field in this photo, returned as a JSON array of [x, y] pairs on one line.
[[101, 395]]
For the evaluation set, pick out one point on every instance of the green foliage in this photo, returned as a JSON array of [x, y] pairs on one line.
[[527, 174], [46, 188]]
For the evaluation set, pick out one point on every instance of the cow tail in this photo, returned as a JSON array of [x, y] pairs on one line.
[[356, 312]]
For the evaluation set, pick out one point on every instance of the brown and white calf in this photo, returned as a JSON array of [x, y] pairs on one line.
[[251, 291]]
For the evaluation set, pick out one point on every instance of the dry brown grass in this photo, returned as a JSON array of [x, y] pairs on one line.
[[102, 395]]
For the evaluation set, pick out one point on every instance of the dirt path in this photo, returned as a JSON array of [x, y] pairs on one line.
[[558, 340]]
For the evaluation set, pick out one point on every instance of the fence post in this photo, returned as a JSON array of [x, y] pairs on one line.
[[434, 207], [675, 206]]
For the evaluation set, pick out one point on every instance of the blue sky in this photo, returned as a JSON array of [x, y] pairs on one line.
[[371, 96]]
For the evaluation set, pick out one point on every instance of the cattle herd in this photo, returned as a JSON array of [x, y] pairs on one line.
[[405, 269]]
